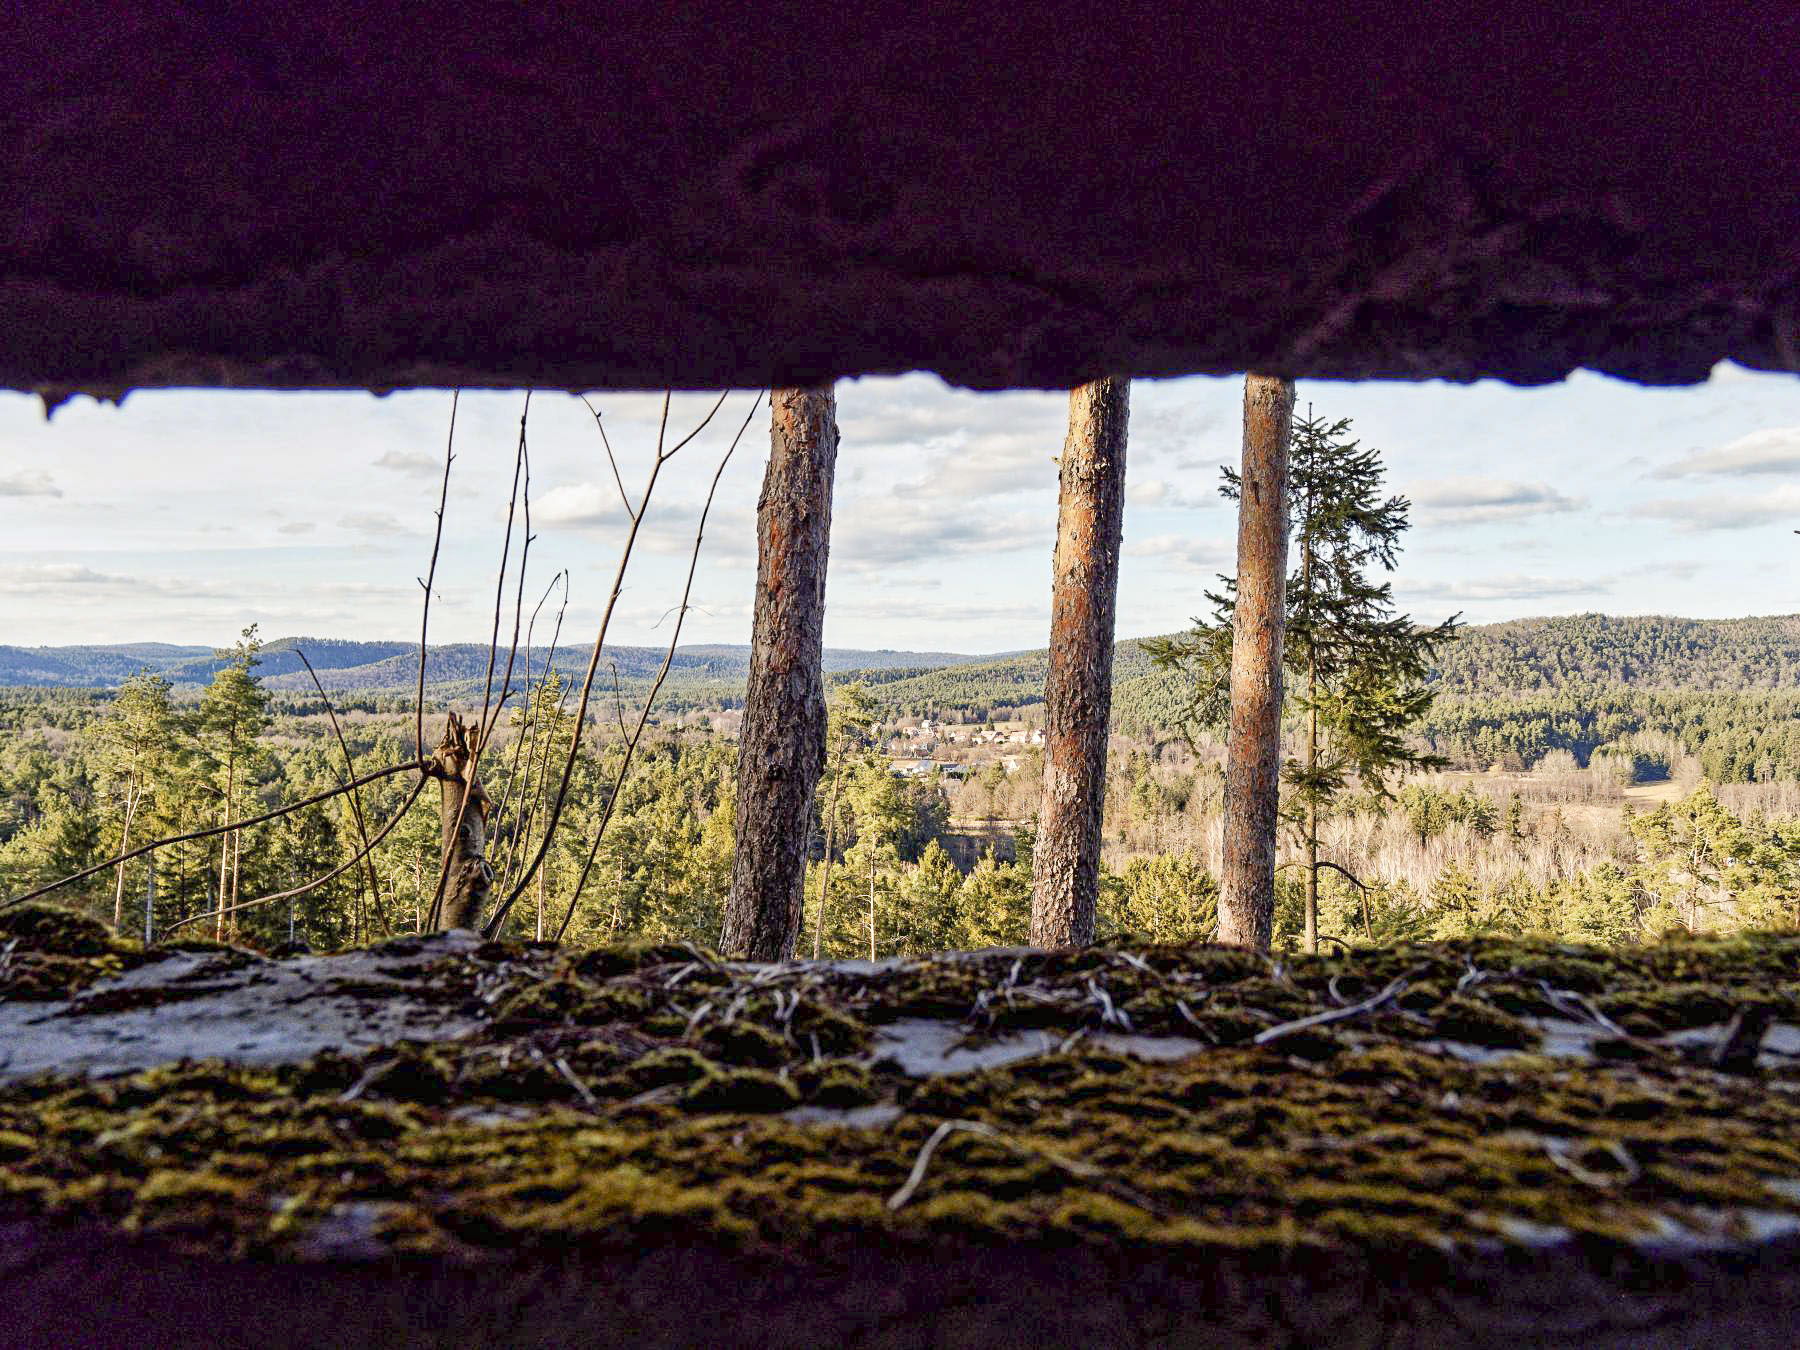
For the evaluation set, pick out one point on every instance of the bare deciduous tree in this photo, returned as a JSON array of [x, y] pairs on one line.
[[1078, 688], [1253, 747], [782, 748]]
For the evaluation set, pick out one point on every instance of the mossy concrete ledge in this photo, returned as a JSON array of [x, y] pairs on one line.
[[449, 1141]]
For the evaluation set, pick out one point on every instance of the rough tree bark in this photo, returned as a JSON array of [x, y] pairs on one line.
[[782, 748], [468, 877], [1253, 747], [1078, 688]]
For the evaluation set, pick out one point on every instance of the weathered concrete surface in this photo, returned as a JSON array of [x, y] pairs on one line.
[[1484, 1143], [559, 196], [239, 1007]]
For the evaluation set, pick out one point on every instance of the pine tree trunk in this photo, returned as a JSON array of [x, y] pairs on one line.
[[1078, 688], [237, 873], [149, 896], [871, 899], [131, 801], [224, 851], [1312, 810], [1253, 745], [781, 751], [837, 780]]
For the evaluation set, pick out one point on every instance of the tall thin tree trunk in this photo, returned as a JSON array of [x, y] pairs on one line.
[[149, 897], [1312, 808], [237, 872], [225, 850], [1078, 688], [825, 867], [782, 749], [131, 801], [1253, 745], [871, 899]]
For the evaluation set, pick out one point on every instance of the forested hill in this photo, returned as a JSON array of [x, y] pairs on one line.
[[1519, 657], [1504, 661], [375, 666], [1642, 651]]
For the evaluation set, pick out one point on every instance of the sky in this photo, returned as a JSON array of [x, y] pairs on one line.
[[181, 516]]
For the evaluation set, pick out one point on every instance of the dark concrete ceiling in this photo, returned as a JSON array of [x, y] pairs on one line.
[[227, 194]]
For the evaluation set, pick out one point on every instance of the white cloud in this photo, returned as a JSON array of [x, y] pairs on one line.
[[1774, 450], [580, 506], [1160, 494], [885, 533], [1185, 551], [375, 522], [1732, 511], [1508, 587], [295, 527], [43, 576], [414, 462], [28, 483], [1475, 500]]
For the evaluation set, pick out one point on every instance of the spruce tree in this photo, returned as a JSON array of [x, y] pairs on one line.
[[1360, 670]]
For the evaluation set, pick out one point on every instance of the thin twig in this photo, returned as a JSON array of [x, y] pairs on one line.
[[612, 459], [521, 468], [317, 881], [512, 769], [484, 726], [212, 831], [587, 683], [356, 811], [1393, 991], [661, 675], [944, 1130], [1085, 1171], [587, 1095], [430, 576]]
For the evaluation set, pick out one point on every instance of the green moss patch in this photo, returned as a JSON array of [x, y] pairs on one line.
[[646, 1095]]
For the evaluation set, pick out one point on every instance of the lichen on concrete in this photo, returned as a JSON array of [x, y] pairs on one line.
[[1160, 1098]]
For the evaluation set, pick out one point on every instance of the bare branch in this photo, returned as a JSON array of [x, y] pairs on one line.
[[522, 832], [356, 811], [366, 851], [662, 674], [512, 768], [611, 458], [521, 465], [1324, 862], [676, 448], [484, 722], [212, 831], [437, 540], [587, 683], [1392, 991], [618, 699]]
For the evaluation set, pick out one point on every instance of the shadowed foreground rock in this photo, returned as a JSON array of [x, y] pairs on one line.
[[1482, 1143]]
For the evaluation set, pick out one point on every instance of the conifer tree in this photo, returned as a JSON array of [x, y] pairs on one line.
[[135, 738], [233, 714], [850, 715], [1360, 669]]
